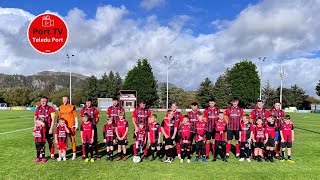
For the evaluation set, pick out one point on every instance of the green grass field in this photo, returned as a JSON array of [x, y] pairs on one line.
[[18, 153]]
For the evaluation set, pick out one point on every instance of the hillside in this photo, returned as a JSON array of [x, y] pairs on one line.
[[41, 79]]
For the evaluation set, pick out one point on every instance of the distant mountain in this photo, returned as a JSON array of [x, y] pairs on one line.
[[160, 84], [41, 79]]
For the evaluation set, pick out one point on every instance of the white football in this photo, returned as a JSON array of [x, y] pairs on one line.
[[136, 159]]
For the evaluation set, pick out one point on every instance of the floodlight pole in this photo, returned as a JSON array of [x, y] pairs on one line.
[[281, 76], [262, 59], [168, 59], [70, 76]]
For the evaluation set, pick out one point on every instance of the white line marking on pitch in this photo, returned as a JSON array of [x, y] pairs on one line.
[[15, 131]]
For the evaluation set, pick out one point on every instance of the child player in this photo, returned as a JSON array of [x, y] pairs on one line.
[[87, 135], [260, 138], [140, 140], [108, 137], [61, 138], [169, 129], [39, 134], [121, 132], [154, 134], [185, 134], [287, 137], [271, 128], [220, 137], [200, 136], [246, 135]]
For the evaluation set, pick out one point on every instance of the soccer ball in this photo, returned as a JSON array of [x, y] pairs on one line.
[[136, 159]]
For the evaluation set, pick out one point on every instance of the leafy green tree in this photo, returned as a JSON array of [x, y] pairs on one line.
[[269, 95], [204, 92], [18, 96], [175, 95], [104, 86], [245, 82], [318, 88], [90, 88], [142, 79], [222, 91], [189, 97]]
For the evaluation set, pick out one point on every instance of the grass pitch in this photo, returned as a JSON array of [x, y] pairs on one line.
[[18, 154]]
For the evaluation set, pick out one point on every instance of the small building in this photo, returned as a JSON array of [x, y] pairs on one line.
[[104, 103], [128, 99]]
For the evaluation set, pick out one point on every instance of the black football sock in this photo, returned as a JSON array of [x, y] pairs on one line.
[[87, 150], [282, 154], [216, 150], [119, 153], [267, 153], [246, 152], [289, 157], [242, 153], [167, 152], [203, 151], [91, 151], [153, 151], [188, 154], [183, 154], [38, 153], [43, 152], [224, 151]]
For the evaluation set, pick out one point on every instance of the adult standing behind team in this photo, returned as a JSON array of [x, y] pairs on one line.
[[259, 111], [48, 113], [93, 114], [68, 112], [113, 111], [234, 115], [211, 115]]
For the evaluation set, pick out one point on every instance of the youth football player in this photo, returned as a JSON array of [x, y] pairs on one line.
[[220, 138], [39, 134], [87, 137], [61, 134], [179, 118], [140, 141], [246, 135], [234, 115], [287, 138], [154, 134], [185, 133], [200, 137], [211, 114], [260, 138], [108, 137], [169, 130], [121, 132], [271, 128]]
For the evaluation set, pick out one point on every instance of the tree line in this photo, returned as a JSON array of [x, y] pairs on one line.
[[242, 81]]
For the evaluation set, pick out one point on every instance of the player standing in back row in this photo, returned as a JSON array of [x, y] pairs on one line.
[[234, 115], [178, 118], [211, 115], [114, 110]]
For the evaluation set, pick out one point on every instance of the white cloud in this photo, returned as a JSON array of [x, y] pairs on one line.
[[284, 31], [150, 4]]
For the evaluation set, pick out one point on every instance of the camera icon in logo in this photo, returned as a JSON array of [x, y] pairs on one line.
[[47, 22]]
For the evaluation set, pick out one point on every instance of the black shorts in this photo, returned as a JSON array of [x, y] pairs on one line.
[[244, 145], [168, 142], [40, 145], [286, 145], [210, 135], [259, 145], [122, 142], [109, 143], [270, 142], [231, 133], [155, 144], [185, 146]]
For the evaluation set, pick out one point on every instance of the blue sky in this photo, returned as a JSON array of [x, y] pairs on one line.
[[204, 38], [202, 13]]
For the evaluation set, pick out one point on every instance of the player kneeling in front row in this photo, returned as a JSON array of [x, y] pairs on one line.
[[185, 134], [200, 130], [271, 128], [246, 135], [169, 130], [87, 136], [220, 138], [140, 141], [39, 133], [61, 138], [154, 134], [121, 132], [287, 137], [109, 137], [260, 138]]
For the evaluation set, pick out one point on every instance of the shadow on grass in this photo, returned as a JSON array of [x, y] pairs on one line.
[[316, 132]]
